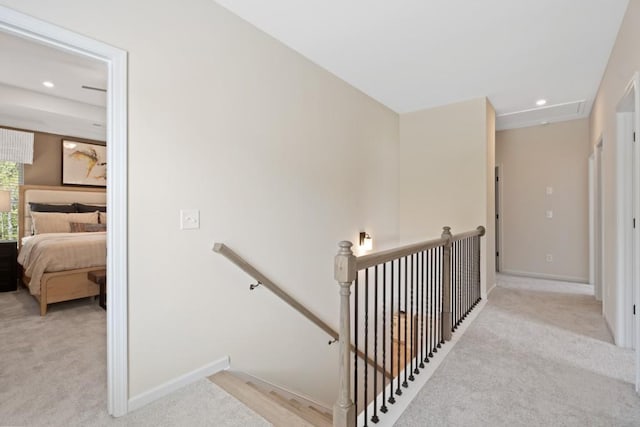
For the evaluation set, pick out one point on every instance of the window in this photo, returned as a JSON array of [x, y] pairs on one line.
[[11, 176]]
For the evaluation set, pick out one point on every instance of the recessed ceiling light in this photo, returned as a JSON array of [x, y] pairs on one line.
[[541, 102], [48, 84]]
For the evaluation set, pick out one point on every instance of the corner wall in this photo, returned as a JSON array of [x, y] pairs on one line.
[[446, 174], [623, 63], [532, 159]]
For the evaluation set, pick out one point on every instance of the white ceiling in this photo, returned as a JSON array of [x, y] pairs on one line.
[[415, 54], [65, 109], [408, 55]]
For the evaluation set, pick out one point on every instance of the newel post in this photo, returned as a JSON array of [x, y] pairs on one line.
[[446, 284], [345, 274]]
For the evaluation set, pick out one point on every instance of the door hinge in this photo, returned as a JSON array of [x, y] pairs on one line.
[[497, 253], [634, 137], [634, 223], [497, 216], [497, 178], [634, 309]]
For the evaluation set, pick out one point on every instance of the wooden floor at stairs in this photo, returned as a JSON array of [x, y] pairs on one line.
[[270, 404]]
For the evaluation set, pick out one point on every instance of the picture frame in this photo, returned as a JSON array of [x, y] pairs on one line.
[[84, 164]]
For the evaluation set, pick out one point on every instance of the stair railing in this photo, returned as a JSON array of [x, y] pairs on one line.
[[263, 280], [417, 295]]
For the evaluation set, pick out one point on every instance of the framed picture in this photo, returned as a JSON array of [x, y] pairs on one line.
[[84, 164]]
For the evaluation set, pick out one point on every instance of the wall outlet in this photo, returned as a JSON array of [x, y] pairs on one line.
[[189, 219], [549, 214], [549, 190], [549, 258]]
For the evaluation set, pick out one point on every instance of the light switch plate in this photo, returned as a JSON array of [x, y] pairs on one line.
[[189, 219], [549, 214], [549, 190]]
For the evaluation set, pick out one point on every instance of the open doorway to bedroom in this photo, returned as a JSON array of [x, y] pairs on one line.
[[71, 97], [53, 112]]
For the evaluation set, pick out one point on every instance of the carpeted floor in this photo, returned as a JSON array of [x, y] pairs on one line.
[[53, 373], [539, 354]]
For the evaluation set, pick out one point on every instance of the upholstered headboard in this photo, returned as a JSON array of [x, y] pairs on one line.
[[54, 195]]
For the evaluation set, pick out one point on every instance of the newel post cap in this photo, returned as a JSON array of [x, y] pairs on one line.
[[345, 263], [482, 230], [446, 232]]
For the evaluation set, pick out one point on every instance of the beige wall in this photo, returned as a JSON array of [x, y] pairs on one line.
[[532, 159], [444, 157], [46, 168], [623, 63], [282, 159]]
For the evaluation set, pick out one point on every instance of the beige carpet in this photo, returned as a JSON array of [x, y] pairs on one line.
[[53, 373], [539, 354]]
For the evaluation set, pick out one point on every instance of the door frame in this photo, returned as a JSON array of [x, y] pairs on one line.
[[115, 59], [499, 172], [628, 206]]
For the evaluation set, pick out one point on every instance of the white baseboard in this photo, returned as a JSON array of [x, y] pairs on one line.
[[582, 280], [170, 386], [490, 290]]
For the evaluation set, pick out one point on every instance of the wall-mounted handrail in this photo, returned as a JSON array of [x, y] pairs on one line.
[[222, 249], [236, 259]]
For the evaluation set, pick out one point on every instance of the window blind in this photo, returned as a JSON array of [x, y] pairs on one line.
[[16, 146]]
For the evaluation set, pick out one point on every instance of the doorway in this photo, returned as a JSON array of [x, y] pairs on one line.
[[20, 25]]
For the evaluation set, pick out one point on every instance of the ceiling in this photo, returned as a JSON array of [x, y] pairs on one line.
[[66, 108], [408, 55], [417, 54]]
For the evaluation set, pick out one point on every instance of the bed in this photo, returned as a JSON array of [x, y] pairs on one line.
[[54, 263]]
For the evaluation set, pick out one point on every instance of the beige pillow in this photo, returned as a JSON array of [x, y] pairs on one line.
[[54, 222], [103, 217], [79, 227]]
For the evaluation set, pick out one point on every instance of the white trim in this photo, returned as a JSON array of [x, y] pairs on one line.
[[116, 61], [627, 118], [169, 387], [546, 276], [490, 290], [408, 395]]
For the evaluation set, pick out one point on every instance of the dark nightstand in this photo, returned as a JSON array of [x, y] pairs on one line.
[[8, 265]]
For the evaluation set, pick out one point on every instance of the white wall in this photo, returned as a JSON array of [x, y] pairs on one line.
[[533, 159], [623, 63], [446, 173]]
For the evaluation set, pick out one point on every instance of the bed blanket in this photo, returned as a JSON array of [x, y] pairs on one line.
[[51, 252]]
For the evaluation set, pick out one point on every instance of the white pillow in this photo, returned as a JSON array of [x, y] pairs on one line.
[[55, 222]]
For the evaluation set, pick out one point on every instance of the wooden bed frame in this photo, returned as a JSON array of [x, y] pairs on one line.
[[62, 285]]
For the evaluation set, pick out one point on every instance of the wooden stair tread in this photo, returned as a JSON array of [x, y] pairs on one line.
[[307, 412], [260, 402]]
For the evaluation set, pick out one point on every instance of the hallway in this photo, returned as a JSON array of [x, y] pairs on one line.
[[539, 354]]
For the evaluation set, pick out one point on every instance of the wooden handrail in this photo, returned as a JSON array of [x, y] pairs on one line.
[[377, 258], [480, 231], [227, 252]]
